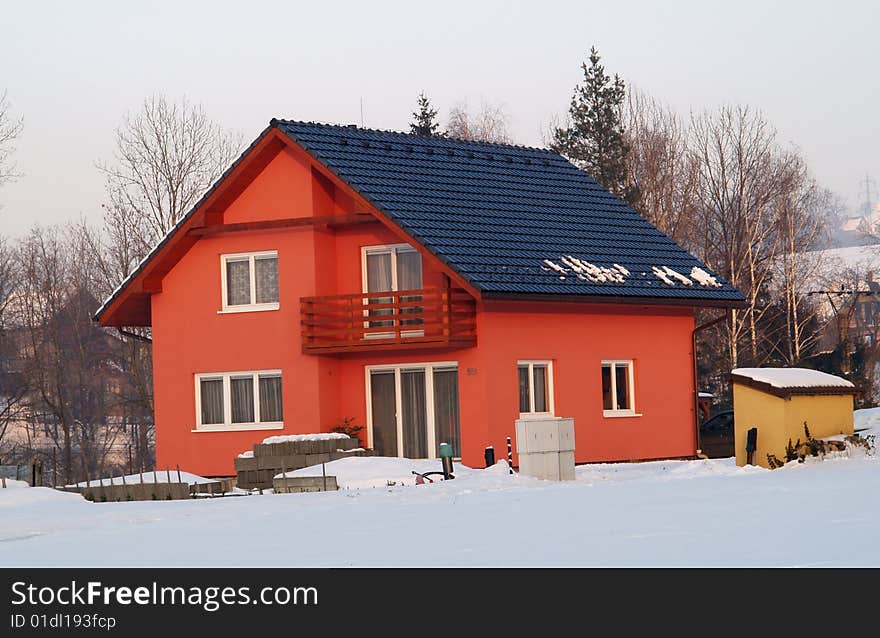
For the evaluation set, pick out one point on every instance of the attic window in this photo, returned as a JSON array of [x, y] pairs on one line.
[[249, 282]]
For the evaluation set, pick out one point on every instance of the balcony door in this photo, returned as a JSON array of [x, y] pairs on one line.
[[413, 409], [392, 269]]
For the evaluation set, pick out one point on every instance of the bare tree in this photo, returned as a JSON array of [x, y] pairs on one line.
[[70, 364], [661, 168], [489, 124], [740, 178], [10, 129], [167, 155], [13, 387], [800, 214]]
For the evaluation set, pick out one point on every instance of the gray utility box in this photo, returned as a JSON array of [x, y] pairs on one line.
[[546, 448]]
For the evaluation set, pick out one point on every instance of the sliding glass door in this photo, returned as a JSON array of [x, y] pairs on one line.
[[413, 409], [383, 399]]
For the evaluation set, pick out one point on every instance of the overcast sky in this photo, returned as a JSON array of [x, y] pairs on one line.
[[72, 69]]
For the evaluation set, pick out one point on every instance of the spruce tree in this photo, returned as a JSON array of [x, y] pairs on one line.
[[594, 139], [425, 118]]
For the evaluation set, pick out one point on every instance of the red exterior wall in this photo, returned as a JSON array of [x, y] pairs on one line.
[[577, 337], [191, 337]]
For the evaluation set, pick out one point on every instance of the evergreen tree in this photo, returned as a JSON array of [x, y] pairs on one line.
[[594, 139], [425, 118]]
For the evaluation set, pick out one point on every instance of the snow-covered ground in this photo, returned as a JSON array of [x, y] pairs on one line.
[[665, 513]]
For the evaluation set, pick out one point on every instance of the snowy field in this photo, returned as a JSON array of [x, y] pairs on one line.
[[671, 513]]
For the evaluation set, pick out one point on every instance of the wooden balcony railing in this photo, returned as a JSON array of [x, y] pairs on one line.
[[425, 318]]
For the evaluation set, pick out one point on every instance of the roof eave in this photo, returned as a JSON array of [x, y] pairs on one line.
[[620, 299]]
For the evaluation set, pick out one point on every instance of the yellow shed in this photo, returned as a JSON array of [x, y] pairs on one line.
[[778, 401]]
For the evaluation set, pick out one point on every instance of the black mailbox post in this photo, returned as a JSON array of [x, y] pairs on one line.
[[751, 445]]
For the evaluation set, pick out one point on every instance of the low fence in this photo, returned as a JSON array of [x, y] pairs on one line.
[[117, 489], [137, 492]]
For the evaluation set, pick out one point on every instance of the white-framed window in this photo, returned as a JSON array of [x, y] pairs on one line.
[[392, 268], [535, 388], [249, 400], [249, 281], [618, 388]]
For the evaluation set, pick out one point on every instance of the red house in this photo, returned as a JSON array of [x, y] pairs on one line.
[[434, 289]]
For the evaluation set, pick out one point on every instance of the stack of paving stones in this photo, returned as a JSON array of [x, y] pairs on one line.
[[269, 459]]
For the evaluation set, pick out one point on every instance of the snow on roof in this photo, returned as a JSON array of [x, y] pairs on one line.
[[785, 378], [586, 271], [833, 267], [703, 278]]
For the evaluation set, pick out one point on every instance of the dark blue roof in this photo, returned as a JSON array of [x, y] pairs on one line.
[[494, 213]]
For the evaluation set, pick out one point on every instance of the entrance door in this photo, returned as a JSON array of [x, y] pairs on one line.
[[413, 409]]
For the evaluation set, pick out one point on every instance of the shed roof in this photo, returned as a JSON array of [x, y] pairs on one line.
[[788, 381]]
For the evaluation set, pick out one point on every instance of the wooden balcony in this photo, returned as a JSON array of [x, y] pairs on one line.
[[406, 319]]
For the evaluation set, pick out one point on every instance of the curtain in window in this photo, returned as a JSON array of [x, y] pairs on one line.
[[238, 282], [378, 272], [409, 270], [382, 400], [409, 277], [270, 399], [212, 401], [446, 415], [415, 426], [266, 275], [241, 395], [607, 402], [541, 394], [622, 383], [379, 280], [524, 389]]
